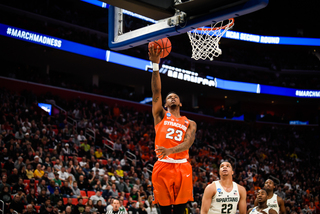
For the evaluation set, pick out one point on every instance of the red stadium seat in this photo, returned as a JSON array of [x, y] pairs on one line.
[[104, 162], [79, 159], [50, 150], [125, 203], [91, 193], [26, 182], [75, 201], [53, 162], [2, 165], [83, 193], [84, 201], [65, 200], [37, 208], [127, 195]]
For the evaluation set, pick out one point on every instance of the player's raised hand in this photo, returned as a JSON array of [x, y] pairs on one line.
[[154, 54], [162, 152]]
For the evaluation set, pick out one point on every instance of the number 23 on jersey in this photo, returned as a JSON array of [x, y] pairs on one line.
[[175, 134]]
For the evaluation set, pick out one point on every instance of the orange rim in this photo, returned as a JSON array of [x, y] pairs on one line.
[[219, 28]]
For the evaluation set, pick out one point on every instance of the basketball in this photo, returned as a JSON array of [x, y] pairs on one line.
[[163, 44]]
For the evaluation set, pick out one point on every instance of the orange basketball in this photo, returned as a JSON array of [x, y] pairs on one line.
[[164, 44]]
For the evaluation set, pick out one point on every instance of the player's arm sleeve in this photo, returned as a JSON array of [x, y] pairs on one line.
[[281, 205], [243, 200], [209, 192], [188, 139], [157, 109]]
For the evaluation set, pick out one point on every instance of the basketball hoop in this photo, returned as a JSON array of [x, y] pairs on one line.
[[205, 41]]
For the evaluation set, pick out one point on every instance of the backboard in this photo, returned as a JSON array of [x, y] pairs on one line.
[[172, 17]]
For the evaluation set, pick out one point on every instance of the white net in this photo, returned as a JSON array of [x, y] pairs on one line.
[[205, 41]]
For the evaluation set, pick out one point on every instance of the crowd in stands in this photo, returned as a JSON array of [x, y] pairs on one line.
[[50, 166]]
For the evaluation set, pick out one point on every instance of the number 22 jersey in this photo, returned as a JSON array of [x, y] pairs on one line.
[[223, 201], [170, 132]]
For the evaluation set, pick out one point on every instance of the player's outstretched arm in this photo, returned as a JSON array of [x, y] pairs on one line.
[[158, 111], [243, 200], [281, 205], [209, 192], [185, 145]]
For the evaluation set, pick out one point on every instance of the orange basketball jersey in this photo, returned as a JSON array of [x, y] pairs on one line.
[[170, 132]]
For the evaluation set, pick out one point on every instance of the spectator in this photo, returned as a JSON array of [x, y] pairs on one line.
[[17, 186], [95, 183], [48, 210], [82, 138], [31, 197], [146, 173], [149, 191], [122, 186], [83, 183], [47, 163], [66, 191], [66, 150], [87, 210], [68, 210], [29, 172], [5, 196], [60, 206], [98, 154], [113, 191], [280, 193], [52, 187], [14, 178], [57, 179], [4, 182], [18, 164], [151, 209], [38, 173], [91, 205], [57, 167], [22, 173], [116, 208], [30, 210], [75, 190], [119, 171], [96, 169], [63, 175], [16, 204], [55, 197], [100, 207], [43, 196], [142, 209], [80, 207], [44, 205], [95, 198]]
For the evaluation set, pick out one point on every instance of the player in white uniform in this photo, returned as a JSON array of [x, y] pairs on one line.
[[262, 204], [224, 195], [274, 201]]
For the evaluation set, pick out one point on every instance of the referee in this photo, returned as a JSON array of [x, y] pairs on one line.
[[116, 208]]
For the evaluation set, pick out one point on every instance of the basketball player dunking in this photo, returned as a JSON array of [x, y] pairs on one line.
[[274, 201], [224, 195], [172, 173], [262, 207]]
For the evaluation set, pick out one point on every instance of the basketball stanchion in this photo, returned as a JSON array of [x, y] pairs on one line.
[[205, 40]]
